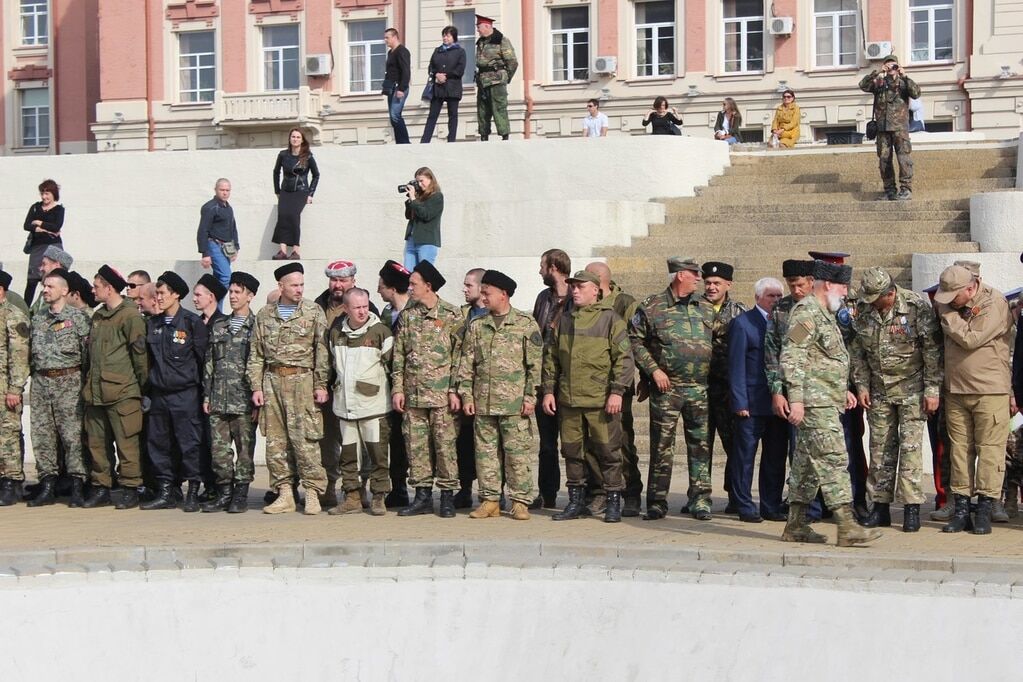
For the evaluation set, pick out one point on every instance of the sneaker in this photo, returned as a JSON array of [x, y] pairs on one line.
[[904, 195]]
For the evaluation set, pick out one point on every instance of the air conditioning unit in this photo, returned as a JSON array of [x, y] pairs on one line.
[[317, 65], [781, 26], [878, 50], [605, 65]]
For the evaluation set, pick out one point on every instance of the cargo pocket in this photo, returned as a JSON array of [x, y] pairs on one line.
[[366, 388], [112, 385], [130, 412], [312, 422]]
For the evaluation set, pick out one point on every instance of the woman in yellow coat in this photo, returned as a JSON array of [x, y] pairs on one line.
[[786, 120]]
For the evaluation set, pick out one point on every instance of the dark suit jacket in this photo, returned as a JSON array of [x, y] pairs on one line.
[[746, 364], [1017, 363]]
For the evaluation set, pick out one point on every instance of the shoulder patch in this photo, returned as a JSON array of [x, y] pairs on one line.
[[800, 332], [22, 330], [637, 319], [536, 339]]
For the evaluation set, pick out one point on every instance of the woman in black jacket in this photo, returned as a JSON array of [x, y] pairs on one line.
[[294, 191], [447, 65], [43, 223]]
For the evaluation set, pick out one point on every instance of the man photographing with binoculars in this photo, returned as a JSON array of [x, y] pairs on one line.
[[892, 90]]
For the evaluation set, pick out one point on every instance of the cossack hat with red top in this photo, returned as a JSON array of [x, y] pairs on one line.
[[341, 268]]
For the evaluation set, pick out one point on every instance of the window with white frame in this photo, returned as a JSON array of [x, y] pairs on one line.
[[34, 25], [930, 30], [367, 55], [465, 21], [655, 38], [570, 44], [197, 68], [35, 117], [744, 35], [280, 57], [835, 40]]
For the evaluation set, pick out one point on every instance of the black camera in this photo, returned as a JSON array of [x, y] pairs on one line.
[[413, 182]]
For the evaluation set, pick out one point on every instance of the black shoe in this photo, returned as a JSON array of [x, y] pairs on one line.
[[99, 497], [982, 519], [655, 511], [774, 516], [222, 501], [10, 492], [128, 499], [463, 499], [484, 138], [269, 497], [702, 515], [165, 498], [960, 516], [505, 136], [575, 507], [880, 515], [685, 509], [396, 498], [191, 503], [860, 512], [630, 506], [239, 499], [889, 195], [77, 493], [422, 504], [910, 518], [446, 510], [537, 503], [46, 494], [731, 508], [613, 508], [751, 518]]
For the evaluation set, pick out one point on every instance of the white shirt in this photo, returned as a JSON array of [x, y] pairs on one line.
[[762, 312], [592, 125]]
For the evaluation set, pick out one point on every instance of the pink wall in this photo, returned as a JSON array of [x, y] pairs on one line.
[[785, 53], [696, 36], [122, 42], [232, 46], [318, 26], [76, 67], [879, 21], [607, 40]]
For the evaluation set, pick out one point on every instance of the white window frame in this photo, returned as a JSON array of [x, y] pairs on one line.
[[367, 46], [468, 78], [280, 58], [744, 34], [39, 141], [38, 13], [197, 68], [836, 39], [656, 27], [929, 10], [570, 34]]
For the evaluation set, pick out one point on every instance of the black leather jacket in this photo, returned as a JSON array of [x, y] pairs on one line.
[[290, 177]]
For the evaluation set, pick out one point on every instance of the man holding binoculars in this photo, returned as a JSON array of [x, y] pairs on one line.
[[892, 90]]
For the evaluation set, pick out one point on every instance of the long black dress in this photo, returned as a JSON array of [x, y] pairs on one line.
[[292, 186]]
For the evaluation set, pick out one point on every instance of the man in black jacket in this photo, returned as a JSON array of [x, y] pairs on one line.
[[397, 73]]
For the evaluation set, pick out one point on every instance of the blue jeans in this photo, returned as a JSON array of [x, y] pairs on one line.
[[394, 108], [415, 253], [731, 140], [221, 263]]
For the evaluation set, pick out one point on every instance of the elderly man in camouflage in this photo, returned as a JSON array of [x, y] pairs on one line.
[[892, 90], [815, 369], [426, 348], [498, 374], [496, 65], [288, 370], [14, 366], [671, 336], [897, 373]]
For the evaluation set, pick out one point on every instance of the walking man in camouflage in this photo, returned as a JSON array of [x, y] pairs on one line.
[[14, 364], [892, 90], [815, 369], [498, 375], [496, 64], [896, 368], [59, 334]]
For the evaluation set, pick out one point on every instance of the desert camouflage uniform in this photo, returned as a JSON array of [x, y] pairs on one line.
[[891, 112], [14, 365], [229, 395], [718, 389]]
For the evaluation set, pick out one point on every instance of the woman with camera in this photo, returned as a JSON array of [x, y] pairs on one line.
[[424, 205], [447, 66], [294, 191], [43, 223]]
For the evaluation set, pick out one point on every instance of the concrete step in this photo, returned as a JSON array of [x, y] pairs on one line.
[[821, 226], [758, 214], [759, 183], [698, 205], [841, 160], [839, 193], [921, 176]]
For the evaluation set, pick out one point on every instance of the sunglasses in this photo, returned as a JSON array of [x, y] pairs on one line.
[[132, 286]]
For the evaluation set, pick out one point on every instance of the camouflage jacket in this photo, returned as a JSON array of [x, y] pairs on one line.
[[729, 310], [225, 381], [674, 335], [118, 360], [300, 341], [777, 328], [58, 339], [814, 359], [622, 303], [896, 357], [499, 367], [588, 357], [496, 63], [891, 100], [426, 349], [14, 349]]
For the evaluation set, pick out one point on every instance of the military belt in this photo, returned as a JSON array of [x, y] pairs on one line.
[[54, 373], [288, 370]]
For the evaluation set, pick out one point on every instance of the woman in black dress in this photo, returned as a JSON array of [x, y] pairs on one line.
[[294, 191], [43, 223], [661, 121]]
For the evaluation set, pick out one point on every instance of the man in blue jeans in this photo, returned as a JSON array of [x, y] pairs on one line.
[[397, 74], [217, 237]]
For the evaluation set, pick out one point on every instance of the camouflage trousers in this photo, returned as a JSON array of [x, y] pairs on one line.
[[592, 429], [630, 456], [504, 448], [12, 457], [896, 457], [292, 425], [688, 402], [430, 434], [119, 423], [57, 415], [820, 462], [895, 144], [227, 430], [492, 102], [374, 435]]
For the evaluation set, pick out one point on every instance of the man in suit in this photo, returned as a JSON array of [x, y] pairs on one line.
[[755, 420]]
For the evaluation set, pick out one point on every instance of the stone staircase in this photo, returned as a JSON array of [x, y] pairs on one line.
[[767, 208]]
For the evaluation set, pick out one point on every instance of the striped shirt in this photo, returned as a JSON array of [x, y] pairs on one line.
[[236, 322], [286, 310]]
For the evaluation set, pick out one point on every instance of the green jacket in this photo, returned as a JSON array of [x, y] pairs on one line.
[[500, 365], [496, 63], [426, 351], [814, 359], [14, 359], [424, 219], [674, 335], [118, 363], [891, 100]]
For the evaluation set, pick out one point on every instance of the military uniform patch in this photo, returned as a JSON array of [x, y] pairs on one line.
[[536, 339], [22, 330], [801, 332]]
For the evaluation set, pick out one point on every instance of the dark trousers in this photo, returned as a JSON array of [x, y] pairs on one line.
[[174, 421], [465, 447], [431, 120], [398, 464], [549, 468], [630, 456], [772, 434], [852, 425], [941, 456]]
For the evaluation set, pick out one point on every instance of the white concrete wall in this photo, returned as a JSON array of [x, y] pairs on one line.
[[1002, 270]]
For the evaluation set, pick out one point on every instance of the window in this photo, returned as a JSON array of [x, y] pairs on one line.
[[35, 117], [367, 55], [930, 30], [570, 43], [280, 57], [197, 70], [744, 35], [465, 22], [34, 29], [835, 25], [655, 38]]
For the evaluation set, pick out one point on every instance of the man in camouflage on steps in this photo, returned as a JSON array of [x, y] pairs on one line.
[[14, 365], [672, 337], [496, 65], [892, 90]]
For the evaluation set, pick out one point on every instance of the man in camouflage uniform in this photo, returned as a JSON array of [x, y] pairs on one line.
[[897, 373], [227, 398], [497, 378], [426, 350], [465, 445], [59, 335], [892, 90], [288, 368], [587, 367], [54, 257], [671, 335], [14, 363], [815, 369], [392, 286], [496, 64]]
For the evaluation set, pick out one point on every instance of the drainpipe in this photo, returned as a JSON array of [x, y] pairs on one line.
[[55, 119], [967, 104], [527, 62], [149, 85]]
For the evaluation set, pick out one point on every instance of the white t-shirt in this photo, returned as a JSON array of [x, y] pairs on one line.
[[592, 125]]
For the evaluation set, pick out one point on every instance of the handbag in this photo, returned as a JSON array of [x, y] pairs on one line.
[[229, 248], [28, 244], [871, 132], [428, 91], [675, 130]]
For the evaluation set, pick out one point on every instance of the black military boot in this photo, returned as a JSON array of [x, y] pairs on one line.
[[960, 520], [910, 518], [447, 504], [463, 499], [421, 504], [191, 503], [98, 497], [982, 519], [505, 136], [77, 493], [46, 494], [880, 515], [239, 499], [631, 505], [10, 492], [397, 498], [484, 138], [613, 510], [129, 498], [164, 499], [576, 505], [222, 501]]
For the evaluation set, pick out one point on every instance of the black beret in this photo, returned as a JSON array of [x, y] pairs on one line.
[[832, 272], [285, 270], [62, 273], [430, 274], [395, 275], [5, 279], [218, 290], [112, 277], [718, 269], [797, 268], [173, 281], [81, 285], [246, 280], [500, 280]]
